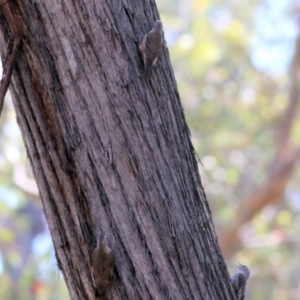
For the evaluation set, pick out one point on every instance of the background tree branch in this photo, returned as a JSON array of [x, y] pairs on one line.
[[282, 166]]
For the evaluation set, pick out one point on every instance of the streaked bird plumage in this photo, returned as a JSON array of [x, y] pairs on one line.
[[103, 264], [239, 280], [151, 46]]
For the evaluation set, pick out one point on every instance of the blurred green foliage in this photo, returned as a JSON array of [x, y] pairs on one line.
[[28, 268], [231, 60], [231, 63]]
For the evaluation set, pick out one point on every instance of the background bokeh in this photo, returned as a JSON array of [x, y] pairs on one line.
[[237, 65]]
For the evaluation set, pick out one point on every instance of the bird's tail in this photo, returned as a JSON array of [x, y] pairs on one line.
[[147, 72]]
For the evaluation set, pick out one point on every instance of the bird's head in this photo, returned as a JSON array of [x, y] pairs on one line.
[[157, 25], [244, 270]]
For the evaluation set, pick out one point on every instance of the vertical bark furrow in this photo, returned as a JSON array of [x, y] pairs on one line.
[[111, 152], [55, 223]]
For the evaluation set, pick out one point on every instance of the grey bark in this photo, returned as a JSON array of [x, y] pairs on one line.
[[111, 151]]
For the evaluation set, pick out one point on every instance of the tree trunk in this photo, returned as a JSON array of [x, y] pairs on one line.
[[111, 150]]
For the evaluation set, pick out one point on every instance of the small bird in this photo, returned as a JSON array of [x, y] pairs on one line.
[[151, 46], [239, 280], [103, 264]]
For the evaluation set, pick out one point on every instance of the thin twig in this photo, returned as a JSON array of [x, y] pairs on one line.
[[8, 68]]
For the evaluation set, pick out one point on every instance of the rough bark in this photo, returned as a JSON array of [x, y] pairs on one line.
[[111, 151]]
